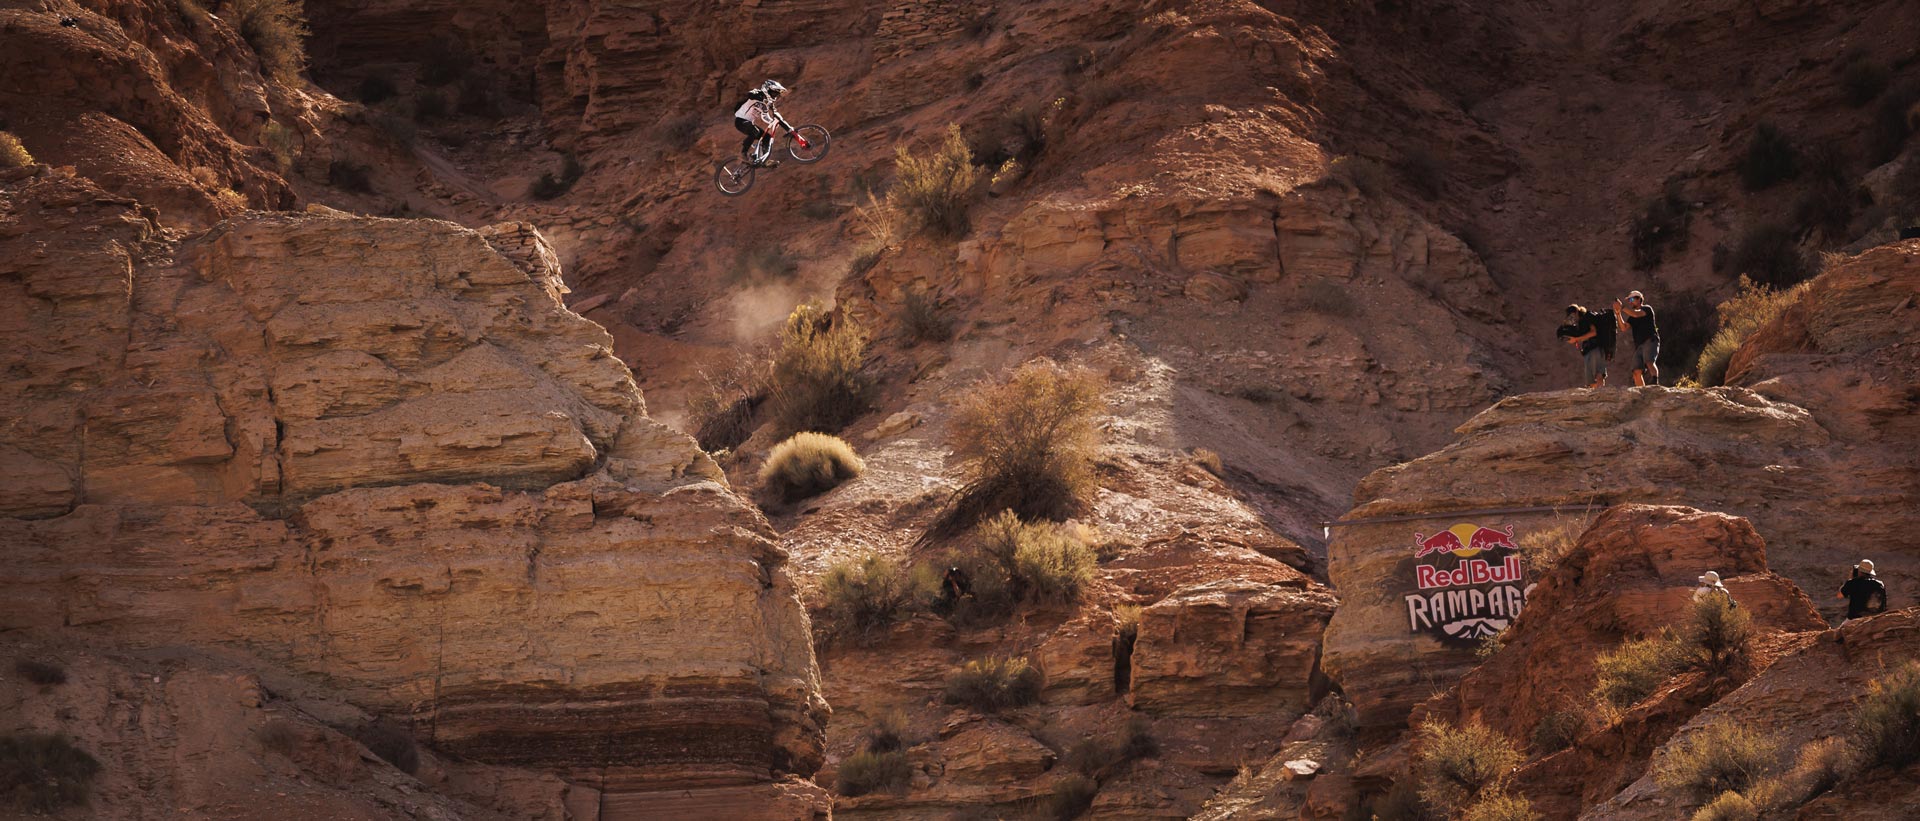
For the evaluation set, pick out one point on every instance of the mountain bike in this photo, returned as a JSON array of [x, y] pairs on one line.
[[805, 143]]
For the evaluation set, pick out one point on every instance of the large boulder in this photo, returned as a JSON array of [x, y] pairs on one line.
[[1230, 647]]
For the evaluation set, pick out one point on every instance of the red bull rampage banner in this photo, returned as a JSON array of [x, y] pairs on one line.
[[1468, 583]]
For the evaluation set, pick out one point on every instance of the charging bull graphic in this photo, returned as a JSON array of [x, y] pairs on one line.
[[1469, 583]]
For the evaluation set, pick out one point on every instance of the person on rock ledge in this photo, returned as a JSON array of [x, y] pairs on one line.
[[1861, 590], [1592, 333], [1634, 314], [1710, 586]]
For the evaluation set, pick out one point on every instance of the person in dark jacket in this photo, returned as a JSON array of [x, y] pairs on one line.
[[1635, 315], [1861, 590], [1592, 333]]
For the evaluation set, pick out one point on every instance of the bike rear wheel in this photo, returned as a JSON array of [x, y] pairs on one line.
[[808, 143], [733, 177]]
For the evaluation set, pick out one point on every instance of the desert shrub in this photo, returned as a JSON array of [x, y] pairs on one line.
[[1071, 797], [1633, 670], [1725, 755], [921, 319], [1886, 723], [867, 772], [808, 464], [43, 773], [1500, 806], [1770, 255], [550, 186], [1819, 766], [1210, 460], [1027, 444], [376, 88], [277, 30], [1100, 757], [1770, 158], [681, 132], [1827, 203], [349, 177], [1863, 78], [979, 25], [1543, 549], [1328, 298], [1730, 806], [1456, 766], [935, 191], [1424, 171], [1718, 634], [392, 743], [994, 683], [721, 407], [1747, 312], [886, 734], [280, 736], [1042, 560], [230, 199], [1399, 802], [1557, 731], [862, 595], [12, 153], [429, 105], [865, 257], [976, 81], [281, 142], [762, 262], [1364, 175], [443, 63], [44, 674], [1661, 223], [816, 383]]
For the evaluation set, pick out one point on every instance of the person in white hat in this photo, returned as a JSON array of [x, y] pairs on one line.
[[1710, 586], [1861, 590]]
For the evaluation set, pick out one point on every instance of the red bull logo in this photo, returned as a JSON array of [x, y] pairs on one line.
[[1464, 540], [1475, 592]]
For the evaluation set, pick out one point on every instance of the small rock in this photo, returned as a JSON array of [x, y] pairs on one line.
[[894, 425], [1300, 769]]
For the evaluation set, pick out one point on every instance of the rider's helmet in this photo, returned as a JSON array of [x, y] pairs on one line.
[[773, 88]]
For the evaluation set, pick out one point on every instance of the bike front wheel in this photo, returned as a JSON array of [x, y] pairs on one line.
[[733, 177], [808, 143]]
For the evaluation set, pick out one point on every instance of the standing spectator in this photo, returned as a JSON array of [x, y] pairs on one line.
[[1592, 333], [1861, 590], [1634, 314]]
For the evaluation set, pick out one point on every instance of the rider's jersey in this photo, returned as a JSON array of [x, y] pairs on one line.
[[757, 112]]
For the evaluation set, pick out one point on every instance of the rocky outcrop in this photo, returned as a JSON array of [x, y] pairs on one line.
[[1230, 647], [1805, 696], [1821, 445], [380, 454]]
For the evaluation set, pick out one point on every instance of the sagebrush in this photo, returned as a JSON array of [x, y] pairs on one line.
[[1071, 796], [12, 153], [1770, 158], [817, 383], [1722, 756], [1886, 723], [1028, 444], [867, 772], [1770, 254], [1457, 766], [1718, 633], [1730, 806], [277, 30], [1748, 311], [808, 464], [1632, 671], [864, 595], [994, 683], [935, 191], [42, 773], [1500, 806], [1046, 562]]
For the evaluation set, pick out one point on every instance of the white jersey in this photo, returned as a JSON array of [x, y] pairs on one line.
[[756, 112]]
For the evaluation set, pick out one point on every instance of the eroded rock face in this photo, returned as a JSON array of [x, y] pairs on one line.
[[1230, 647], [381, 454]]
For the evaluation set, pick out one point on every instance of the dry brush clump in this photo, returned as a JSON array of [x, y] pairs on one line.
[[1545, 548], [1027, 444], [859, 597], [1045, 561], [1071, 797], [1724, 756], [277, 30], [1101, 757], [1718, 635], [1457, 767], [808, 464], [1886, 723], [1632, 671], [921, 319], [1770, 254], [41, 673], [44, 773], [1500, 806], [994, 683], [1730, 806], [1661, 224], [868, 771], [935, 191], [12, 153], [1771, 158], [1752, 308], [817, 383]]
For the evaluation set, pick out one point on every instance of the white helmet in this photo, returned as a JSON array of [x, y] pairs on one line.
[[1710, 579], [773, 88], [1865, 565]]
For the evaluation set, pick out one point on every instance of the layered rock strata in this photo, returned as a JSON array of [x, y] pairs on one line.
[[381, 454]]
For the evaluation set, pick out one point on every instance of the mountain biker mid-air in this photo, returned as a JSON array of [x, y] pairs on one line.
[[756, 118]]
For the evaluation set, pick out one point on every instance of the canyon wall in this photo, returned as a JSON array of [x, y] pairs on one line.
[[380, 453]]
